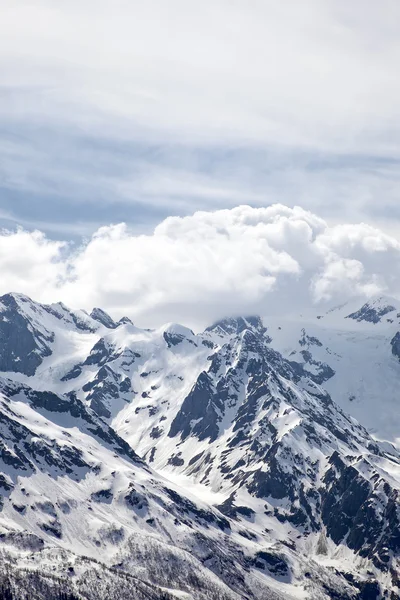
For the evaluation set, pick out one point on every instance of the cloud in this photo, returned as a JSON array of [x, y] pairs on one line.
[[213, 70], [180, 106], [199, 268], [31, 263]]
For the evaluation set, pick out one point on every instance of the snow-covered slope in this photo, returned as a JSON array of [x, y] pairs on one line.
[[199, 466], [353, 350]]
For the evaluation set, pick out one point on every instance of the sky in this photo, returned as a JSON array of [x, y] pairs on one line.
[[121, 118]]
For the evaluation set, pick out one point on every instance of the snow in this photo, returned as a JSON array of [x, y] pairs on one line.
[[366, 377], [365, 385]]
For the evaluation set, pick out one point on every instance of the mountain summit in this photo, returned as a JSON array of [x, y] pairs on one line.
[[163, 463]]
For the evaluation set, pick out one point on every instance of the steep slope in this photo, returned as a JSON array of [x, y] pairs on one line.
[[28, 331], [352, 350], [254, 427], [73, 492], [68, 482], [256, 484]]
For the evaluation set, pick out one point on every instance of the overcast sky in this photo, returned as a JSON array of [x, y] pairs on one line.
[[134, 111]]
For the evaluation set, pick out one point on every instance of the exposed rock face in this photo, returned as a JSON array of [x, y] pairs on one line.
[[362, 508], [201, 406], [27, 331], [309, 367], [67, 457], [22, 345], [102, 317], [395, 343], [125, 321], [251, 384], [236, 326], [104, 388], [371, 313], [172, 339], [288, 476]]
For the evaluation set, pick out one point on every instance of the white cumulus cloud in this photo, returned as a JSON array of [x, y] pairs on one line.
[[31, 263], [196, 269]]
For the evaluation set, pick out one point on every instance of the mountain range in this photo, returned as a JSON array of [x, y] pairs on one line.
[[258, 459]]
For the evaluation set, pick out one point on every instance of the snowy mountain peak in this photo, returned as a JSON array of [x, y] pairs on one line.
[[14, 297], [104, 318], [211, 465], [236, 325], [125, 321], [174, 334], [18, 302], [374, 310]]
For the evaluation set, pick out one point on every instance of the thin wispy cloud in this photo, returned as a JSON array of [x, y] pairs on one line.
[[144, 108], [309, 74]]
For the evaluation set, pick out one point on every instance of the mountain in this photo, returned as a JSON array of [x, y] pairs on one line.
[[168, 464], [353, 351]]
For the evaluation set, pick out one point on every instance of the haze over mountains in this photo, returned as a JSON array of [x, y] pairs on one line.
[[224, 464]]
